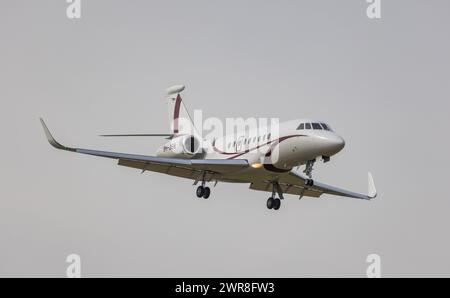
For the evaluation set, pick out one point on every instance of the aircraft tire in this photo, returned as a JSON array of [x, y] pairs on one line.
[[276, 204], [206, 193], [200, 191], [270, 202]]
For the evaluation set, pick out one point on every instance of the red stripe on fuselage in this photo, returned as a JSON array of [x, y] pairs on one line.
[[237, 154]]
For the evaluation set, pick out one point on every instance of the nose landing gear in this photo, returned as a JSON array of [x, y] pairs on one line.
[[308, 172], [309, 167]]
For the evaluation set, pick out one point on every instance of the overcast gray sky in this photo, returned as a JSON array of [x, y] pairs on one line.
[[383, 85]]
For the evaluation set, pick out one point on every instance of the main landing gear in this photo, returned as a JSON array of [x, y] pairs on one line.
[[203, 191], [273, 202]]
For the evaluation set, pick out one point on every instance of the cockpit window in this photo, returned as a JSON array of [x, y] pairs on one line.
[[316, 126], [326, 126]]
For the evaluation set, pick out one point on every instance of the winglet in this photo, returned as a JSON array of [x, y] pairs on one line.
[[52, 140], [372, 194]]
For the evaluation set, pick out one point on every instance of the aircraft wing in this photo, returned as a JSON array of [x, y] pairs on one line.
[[296, 184], [186, 168]]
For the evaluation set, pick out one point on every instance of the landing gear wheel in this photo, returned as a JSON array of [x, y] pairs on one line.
[[270, 203], [200, 191], [276, 204], [206, 192]]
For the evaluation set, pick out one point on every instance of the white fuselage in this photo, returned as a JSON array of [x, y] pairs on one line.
[[270, 153]]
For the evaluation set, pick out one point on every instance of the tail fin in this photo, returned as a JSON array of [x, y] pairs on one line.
[[179, 119]]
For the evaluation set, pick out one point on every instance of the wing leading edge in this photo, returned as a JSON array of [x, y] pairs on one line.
[[145, 162]]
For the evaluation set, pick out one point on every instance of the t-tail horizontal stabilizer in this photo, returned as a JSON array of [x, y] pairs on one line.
[[167, 135]]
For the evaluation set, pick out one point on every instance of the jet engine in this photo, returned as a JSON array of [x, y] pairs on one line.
[[181, 147]]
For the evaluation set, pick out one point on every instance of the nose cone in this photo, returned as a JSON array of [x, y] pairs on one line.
[[333, 144]]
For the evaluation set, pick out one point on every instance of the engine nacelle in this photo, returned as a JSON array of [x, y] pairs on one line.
[[181, 147]]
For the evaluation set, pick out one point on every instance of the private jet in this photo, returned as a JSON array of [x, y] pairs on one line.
[[268, 162]]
